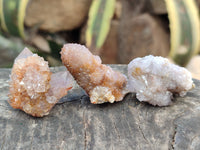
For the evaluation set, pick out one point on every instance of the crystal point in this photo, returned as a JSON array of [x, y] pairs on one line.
[[100, 82], [24, 54], [60, 83]]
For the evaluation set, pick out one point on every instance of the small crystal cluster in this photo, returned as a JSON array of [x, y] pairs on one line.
[[100, 82], [33, 88], [155, 79]]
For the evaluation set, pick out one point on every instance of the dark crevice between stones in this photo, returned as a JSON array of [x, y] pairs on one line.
[[173, 140]]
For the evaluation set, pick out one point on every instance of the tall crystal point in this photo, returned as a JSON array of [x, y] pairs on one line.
[[98, 80]]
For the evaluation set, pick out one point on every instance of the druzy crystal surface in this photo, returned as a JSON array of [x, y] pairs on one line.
[[155, 80], [33, 88], [100, 82]]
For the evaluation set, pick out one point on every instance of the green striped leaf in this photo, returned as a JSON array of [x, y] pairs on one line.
[[185, 30], [0, 16], [100, 14], [12, 16]]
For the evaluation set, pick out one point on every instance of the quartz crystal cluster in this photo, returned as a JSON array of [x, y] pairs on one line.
[[33, 88], [155, 80], [100, 82]]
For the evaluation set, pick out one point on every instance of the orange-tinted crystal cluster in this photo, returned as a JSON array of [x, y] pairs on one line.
[[33, 88], [98, 80]]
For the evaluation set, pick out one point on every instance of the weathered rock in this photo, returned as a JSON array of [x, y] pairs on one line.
[[132, 8], [57, 15], [141, 36], [194, 67], [156, 6], [41, 43], [124, 125]]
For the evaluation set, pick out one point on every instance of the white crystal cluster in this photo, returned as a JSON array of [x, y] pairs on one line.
[[155, 79]]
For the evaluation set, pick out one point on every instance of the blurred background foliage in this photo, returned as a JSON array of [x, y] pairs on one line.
[[117, 30]]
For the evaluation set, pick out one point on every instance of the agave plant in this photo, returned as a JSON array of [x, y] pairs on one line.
[[100, 15], [12, 15], [185, 30]]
